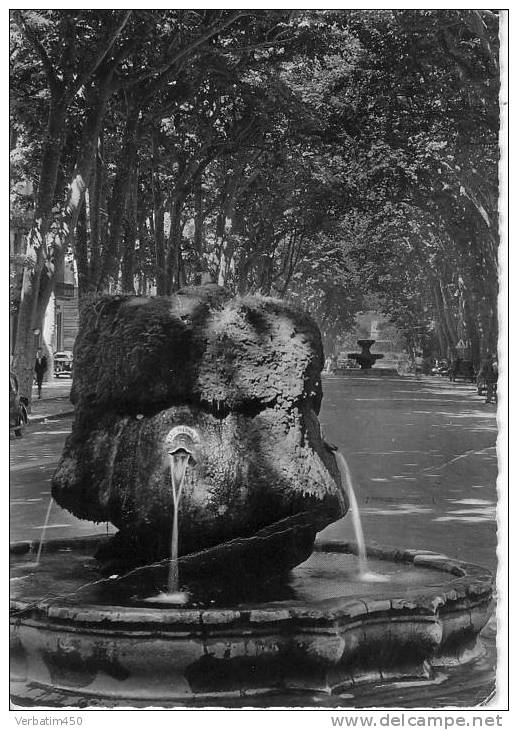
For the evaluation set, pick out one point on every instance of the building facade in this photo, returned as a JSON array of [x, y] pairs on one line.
[[63, 311], [62, 315]]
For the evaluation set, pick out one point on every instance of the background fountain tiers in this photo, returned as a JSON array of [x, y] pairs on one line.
[[365, 359], [244, 375]]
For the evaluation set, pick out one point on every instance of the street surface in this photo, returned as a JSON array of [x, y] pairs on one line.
[[33, 460], [422, 454], [423, 458]]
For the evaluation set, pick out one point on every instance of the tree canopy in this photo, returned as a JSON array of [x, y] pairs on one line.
[[316, 155]]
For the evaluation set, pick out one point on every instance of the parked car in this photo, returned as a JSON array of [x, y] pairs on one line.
[[440, 368], [17, 407], [63, 364], [347, 363]]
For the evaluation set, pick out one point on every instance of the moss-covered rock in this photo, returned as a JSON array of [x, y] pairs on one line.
[[137, 354], [245, 375]]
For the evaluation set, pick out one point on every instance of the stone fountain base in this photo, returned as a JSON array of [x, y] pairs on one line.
[[375, 372], [79, 643]]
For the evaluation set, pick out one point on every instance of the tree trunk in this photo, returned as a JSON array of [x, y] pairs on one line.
[[110, 256], [158, 218], [220, 246], [450, 336], [198, 224], [96, 204], [488, 325], [441, 338], [38, 274], [266, 280], [488, 307], [447, 316], [174, 249], [130, 236], [97, 99], [81, 252], [220, 231], [469, 321]]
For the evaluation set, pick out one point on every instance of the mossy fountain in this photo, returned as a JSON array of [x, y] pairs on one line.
[[197, 436]]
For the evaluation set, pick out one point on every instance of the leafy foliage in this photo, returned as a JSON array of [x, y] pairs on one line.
[[322, 156]]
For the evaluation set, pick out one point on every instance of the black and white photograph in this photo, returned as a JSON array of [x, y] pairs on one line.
[[258, 363]]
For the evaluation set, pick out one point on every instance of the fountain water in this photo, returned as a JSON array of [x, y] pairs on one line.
[[364, 573], [43, 535], [180, 442], [44, 531], [355, 512], [179, 461]]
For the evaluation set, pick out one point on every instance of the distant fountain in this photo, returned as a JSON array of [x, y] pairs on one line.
[[365, 359]]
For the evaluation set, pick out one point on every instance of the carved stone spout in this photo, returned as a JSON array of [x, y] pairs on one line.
[[183, 438]]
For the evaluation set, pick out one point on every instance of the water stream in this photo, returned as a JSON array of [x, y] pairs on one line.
[[178, 464], [44, 531], [345, 474]]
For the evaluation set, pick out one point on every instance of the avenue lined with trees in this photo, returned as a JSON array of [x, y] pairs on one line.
[[322, 156]]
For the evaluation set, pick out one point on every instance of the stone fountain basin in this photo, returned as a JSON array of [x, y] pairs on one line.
[[317, 629]]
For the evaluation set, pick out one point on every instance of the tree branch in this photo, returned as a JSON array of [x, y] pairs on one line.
[[55, 85], [92, 68], [213, 30], [257, 46], [166, 68]]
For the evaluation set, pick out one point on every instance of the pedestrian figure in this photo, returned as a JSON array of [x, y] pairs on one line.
[[491, 379], [40, 368], [489, 373], [483, 373], [418, 366]]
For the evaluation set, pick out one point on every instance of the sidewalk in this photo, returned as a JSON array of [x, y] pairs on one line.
[[55, 400]]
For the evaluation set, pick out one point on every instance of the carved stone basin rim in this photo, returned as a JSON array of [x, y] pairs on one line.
[[119, 656]]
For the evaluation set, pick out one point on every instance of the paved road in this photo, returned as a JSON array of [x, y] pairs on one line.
[[422, 454], [53, 388], [33, 460]]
